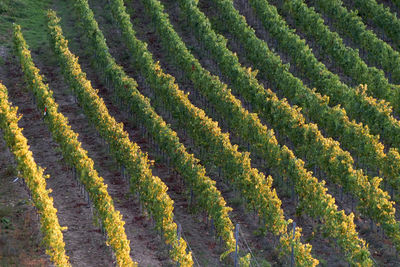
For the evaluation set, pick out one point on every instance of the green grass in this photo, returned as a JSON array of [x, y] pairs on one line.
[[30, 14]]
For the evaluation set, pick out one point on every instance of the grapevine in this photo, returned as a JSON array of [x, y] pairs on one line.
[[75, 154], [378, 52], [336, 162], [376, 114], [93, 105], [34, 179]]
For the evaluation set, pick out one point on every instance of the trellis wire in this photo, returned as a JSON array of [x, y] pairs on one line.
[[190, 249], [248, 247]]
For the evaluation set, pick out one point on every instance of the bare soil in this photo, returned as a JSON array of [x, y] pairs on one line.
[[378, 244], [20, 239], [85, 244], [349, 43]]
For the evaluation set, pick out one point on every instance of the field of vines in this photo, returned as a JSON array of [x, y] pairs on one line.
[[199, 133]]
